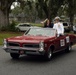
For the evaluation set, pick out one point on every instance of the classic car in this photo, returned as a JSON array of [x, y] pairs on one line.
[[38, 41]]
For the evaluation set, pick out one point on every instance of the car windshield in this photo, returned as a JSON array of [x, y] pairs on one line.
[[41, 32]]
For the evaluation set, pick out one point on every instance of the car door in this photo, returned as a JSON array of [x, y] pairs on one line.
[[24, 27], [21, 27], [60, 43], [27, 27]]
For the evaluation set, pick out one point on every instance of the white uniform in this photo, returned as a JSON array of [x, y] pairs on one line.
[[74, 28], [59, 27]]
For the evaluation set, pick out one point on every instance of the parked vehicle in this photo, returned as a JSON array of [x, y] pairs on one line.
[[74, 29], [38, 41], [66, 27], [24, 26]]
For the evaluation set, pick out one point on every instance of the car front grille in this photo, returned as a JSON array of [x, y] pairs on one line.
[[13, 44], [31, 45]]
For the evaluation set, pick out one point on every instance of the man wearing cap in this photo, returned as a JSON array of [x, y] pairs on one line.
[[58, 26]]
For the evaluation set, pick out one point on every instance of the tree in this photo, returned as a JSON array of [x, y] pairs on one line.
[[71, 9], [50, 7], [4, 11], [28, 10]]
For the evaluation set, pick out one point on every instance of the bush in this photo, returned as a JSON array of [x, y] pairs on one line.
[[10, 27], [3, 28]]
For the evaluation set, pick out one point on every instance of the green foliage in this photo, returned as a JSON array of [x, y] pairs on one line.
[[29, 11], [45, 8], [41, 7], [17, 10], [5, 9], [50, 7], [37, 24], [71, 9], [10, 27], [3, 28]]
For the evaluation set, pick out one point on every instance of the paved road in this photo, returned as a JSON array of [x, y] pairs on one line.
[[61, 64]]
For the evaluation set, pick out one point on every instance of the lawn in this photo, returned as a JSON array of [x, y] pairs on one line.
[[4, 35], [37, 24]]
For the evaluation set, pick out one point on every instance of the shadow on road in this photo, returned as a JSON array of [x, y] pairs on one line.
[[40, 59]]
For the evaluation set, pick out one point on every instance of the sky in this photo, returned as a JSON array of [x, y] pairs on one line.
[[13, 5]]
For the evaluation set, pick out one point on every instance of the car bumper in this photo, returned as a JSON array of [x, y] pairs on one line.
[[21, 50]]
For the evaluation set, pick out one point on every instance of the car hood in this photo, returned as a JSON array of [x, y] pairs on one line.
[[29, 39]]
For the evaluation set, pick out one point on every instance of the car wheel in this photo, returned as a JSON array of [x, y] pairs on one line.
[[68, 49], [14, 55], [48, 55]]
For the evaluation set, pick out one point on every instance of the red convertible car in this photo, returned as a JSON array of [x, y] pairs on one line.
[[40, 41]]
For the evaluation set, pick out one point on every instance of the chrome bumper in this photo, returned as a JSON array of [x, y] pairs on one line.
[[25, 50]]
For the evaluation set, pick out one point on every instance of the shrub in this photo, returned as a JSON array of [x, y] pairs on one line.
[[10, 27], [3, 28]]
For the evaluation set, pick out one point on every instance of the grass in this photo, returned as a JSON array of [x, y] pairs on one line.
[[37, 24], [4, 35]]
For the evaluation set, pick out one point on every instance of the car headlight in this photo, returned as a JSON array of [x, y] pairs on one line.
[[41, 46], [5, 43]]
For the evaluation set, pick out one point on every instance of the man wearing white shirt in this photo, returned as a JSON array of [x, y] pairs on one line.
[[58, 26]]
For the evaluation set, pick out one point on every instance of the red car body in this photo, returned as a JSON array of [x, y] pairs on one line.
[[42, 45]]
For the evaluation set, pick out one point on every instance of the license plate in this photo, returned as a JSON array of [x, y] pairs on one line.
[[21, 52]]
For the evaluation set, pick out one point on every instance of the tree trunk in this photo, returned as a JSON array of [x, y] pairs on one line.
[[4, 18], [71, 21]]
